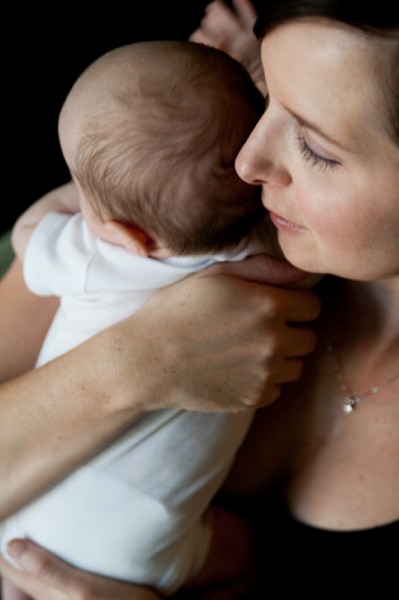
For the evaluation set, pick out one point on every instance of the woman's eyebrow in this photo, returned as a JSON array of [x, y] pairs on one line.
[[313, 127]]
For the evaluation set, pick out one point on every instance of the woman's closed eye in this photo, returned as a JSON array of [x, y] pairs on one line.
[[313, 157]]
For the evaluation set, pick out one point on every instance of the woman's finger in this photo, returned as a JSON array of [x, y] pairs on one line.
[[246, 13], [44, 577]]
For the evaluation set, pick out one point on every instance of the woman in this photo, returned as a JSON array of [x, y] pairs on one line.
[[326, 153]]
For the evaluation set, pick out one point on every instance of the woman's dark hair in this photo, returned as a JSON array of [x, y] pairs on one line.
[[379, 19], [372, 17]]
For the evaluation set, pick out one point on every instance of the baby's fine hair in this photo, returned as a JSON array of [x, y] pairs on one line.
[[159, 142]]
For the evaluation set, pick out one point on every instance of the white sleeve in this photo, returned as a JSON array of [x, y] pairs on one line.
[[57, 255]]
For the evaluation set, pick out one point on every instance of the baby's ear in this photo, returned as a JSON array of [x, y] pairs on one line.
[[132, 237]]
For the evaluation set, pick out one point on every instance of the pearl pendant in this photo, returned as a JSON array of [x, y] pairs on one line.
[[351, 399], [349, 404]]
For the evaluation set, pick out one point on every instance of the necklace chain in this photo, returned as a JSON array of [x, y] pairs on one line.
[[351, 400]]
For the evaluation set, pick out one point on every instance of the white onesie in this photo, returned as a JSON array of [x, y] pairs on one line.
[[138, 510]]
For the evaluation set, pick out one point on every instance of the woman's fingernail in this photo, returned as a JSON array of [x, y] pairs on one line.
[[16, 548]]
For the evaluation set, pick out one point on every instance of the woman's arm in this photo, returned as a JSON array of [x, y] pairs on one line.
[[24, 321], [207, 343], [53, 417], [64, 199]]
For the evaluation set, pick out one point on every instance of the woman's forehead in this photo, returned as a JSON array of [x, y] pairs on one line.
[[327, 73]]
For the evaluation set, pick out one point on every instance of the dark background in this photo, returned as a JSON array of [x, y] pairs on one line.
[[48, 50]]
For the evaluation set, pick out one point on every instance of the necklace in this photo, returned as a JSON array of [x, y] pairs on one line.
[[351, 400]]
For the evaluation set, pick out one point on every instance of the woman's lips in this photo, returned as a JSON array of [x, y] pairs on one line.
[[285, 225]]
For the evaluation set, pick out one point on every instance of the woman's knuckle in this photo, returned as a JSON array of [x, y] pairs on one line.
[[43, 568]]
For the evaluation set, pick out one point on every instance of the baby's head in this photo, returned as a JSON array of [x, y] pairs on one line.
[[150, 132]]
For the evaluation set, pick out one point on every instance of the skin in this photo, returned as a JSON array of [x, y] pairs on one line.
[[341, 218], [332, 463], [62, 581], [230, 30], [315, 204], [98, 400]]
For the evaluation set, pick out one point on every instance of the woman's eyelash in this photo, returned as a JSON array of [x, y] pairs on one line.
[[316, 160]]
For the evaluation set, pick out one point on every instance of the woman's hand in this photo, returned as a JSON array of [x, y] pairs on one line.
[[41, 576], [224, 342], [232, 31]]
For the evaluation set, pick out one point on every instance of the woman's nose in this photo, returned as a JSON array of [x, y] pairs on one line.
[[260, 160], [246, 160]]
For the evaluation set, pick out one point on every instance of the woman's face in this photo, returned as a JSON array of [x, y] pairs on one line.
[[322, 152]]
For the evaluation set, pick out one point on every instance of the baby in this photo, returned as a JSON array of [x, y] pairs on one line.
[[150, 132]]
